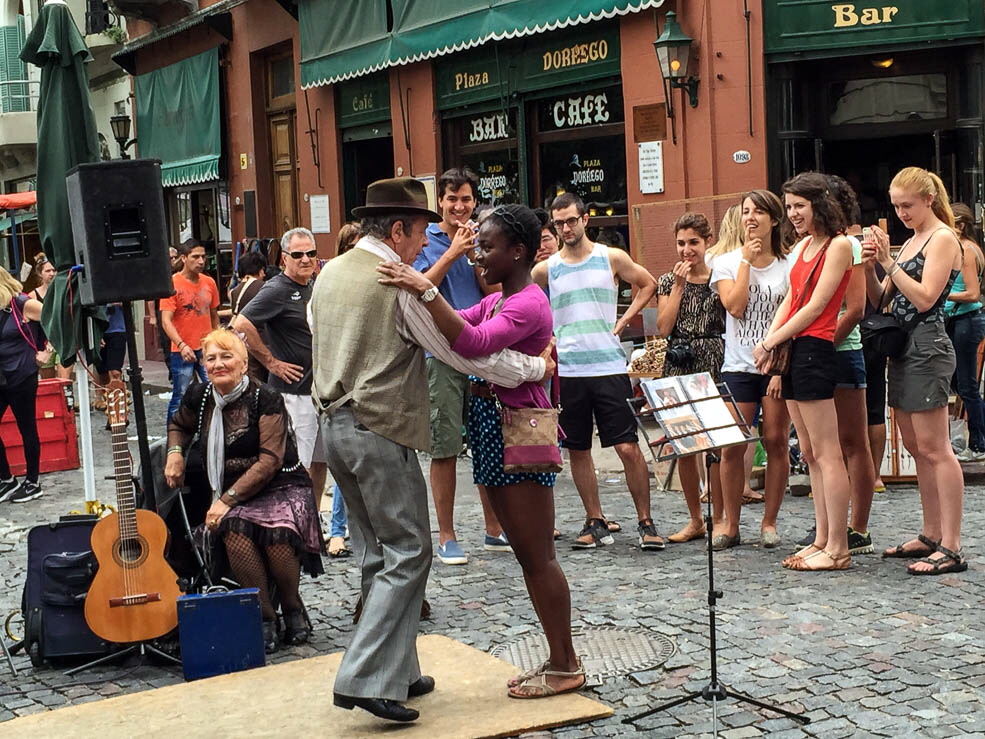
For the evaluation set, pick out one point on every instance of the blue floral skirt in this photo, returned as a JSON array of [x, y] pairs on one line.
[[486, 440]]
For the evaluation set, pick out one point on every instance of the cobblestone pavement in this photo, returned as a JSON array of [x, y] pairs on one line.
[[868, 652]]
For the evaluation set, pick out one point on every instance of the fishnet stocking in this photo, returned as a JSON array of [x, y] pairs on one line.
[[246, 562], [285, 570]]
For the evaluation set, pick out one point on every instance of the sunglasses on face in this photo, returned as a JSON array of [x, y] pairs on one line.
[[311, 254]]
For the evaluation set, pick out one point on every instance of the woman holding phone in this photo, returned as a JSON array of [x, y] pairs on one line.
[[916, 286]]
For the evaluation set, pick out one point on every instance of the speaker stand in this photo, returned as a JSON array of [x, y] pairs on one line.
[[142, 648], [136, 378]]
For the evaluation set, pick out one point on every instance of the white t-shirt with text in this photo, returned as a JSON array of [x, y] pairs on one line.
[[767, 288]]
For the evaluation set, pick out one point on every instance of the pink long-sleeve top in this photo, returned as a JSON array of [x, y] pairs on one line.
[[525, 324]]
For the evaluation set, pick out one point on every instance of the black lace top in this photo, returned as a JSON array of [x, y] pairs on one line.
[[260, 446]]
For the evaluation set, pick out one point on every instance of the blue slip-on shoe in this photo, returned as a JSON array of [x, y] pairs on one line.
[[452, 554], [497, 543]]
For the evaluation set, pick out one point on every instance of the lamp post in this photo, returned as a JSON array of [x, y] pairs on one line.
[[120, 124]]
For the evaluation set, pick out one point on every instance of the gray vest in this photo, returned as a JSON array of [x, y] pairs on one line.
[[356, 349]]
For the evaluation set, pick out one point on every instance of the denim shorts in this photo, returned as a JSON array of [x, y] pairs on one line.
[[746, 387], [850, 369]]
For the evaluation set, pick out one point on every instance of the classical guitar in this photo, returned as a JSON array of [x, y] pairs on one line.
[[134, 595]]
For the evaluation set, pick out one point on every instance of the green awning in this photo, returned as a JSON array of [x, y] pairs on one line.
[[178, 119], [355, 41]]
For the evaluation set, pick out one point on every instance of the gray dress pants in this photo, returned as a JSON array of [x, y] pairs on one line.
[[386, 499]]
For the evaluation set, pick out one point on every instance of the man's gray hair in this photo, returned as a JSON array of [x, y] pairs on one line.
[[285, 240], [381, 226]]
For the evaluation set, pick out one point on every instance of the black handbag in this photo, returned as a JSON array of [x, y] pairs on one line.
[[882, 334]]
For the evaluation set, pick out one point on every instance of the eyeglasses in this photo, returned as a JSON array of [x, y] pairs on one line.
[[311, 254], [569, 222]]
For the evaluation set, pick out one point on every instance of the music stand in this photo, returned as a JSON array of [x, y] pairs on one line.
[[695, 435]]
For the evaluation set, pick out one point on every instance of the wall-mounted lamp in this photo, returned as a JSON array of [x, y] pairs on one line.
[[673, 48], [121, 132]]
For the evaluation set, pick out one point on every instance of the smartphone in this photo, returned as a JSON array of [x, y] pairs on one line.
[[866, 233]]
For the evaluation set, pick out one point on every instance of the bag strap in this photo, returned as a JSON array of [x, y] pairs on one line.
[[807, 282], [20, 327]]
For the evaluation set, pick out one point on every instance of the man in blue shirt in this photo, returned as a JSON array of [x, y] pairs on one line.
[[445, 261]]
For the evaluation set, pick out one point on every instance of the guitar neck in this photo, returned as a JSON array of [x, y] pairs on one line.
[[126, 498]]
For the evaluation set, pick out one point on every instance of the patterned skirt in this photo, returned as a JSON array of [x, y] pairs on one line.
[[486, 440], [281, 514]]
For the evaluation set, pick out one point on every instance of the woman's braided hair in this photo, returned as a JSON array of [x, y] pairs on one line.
[[520, 224]]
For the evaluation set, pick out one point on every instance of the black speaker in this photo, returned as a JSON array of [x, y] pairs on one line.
[[117, 211]]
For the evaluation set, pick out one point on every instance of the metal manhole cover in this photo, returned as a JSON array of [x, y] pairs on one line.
[[606, 651]]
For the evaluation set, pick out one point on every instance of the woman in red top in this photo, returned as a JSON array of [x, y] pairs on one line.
[[821, 267]]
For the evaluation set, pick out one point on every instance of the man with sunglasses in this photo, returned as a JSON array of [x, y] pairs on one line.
[[280, 309], [583, 279]]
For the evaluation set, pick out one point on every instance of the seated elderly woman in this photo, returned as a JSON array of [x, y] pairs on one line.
[[263, 508]]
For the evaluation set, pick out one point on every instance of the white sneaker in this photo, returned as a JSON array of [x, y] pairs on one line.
[[970, 455]]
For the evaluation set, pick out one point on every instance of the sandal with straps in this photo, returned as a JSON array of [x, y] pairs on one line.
[[900, 553], [542, 689], [805, 564], [950, 562], [524, 676]]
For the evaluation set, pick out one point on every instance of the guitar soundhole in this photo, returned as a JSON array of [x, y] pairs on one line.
[[130, 552]]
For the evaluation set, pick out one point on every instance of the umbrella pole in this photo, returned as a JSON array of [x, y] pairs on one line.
[[85, 429]]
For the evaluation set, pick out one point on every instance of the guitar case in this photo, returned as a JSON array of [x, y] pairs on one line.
[[60, 568]]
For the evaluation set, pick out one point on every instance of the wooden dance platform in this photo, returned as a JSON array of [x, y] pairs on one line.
[[295, 699]]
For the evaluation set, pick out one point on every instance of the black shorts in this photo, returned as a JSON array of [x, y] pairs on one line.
[[746, 387], [813, 370], [605, 399], [113, 351]]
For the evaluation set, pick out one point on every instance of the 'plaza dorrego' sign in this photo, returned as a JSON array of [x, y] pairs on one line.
[[796, 26]]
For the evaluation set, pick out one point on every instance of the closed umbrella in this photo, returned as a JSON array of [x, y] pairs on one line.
[[66, 137]]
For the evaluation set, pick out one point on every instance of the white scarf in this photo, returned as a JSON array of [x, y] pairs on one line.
[[216, 448]]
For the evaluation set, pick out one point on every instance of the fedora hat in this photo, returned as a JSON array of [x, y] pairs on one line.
[[396, 195]]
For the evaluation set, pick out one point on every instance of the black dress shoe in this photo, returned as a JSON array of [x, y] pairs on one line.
[[421, 686], [380, 707]]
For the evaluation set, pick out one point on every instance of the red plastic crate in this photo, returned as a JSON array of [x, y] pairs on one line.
[[56, 429]]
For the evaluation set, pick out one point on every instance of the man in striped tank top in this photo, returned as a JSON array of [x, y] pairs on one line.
[[582, 278]]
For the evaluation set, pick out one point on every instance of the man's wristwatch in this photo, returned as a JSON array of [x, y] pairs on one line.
[[430, 294]]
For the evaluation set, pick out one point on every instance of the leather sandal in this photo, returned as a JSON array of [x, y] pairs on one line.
[[804, 564], [524, 676], [800, 555], [540, 688], [950, 562], [900, 553]]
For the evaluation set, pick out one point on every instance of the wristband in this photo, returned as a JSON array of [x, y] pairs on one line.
[[175, 450], [896, 268], [745, 261], [180, 344]]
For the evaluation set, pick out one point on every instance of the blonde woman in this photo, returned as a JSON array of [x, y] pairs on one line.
[[19, 389], [731, 233], [916, 285]]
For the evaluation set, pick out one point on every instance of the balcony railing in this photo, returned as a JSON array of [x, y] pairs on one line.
[[19, 96]]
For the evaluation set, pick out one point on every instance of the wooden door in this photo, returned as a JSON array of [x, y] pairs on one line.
[[283, 159]]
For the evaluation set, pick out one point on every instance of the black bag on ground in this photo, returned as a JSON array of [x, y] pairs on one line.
[[882, 334], [60, 568]]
